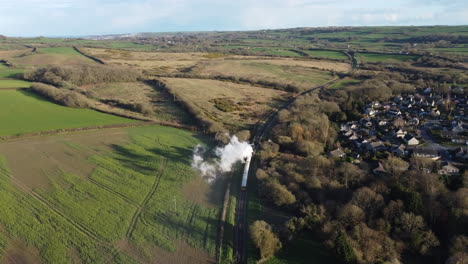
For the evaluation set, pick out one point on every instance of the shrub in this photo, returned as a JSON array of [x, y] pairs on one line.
[[82, 74], [62, 96]]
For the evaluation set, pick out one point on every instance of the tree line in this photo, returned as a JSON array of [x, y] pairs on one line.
[[362, 217]]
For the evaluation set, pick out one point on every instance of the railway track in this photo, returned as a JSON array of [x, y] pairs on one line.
[[264, 125]]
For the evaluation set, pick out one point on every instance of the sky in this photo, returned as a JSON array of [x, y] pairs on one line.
[[97, 17]]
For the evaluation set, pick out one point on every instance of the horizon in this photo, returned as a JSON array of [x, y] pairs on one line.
[[222, 31], [25, 18]]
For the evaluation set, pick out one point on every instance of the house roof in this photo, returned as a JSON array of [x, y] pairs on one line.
[[337, 153], [426, 151]]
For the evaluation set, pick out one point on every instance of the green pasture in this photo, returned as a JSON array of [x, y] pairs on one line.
[[130, 196], [10, 83], [6, 72], [375, 57], [59, 50], [327, 54], [24, 112]]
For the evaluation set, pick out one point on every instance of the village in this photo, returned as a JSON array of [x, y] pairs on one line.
[[421, 125]]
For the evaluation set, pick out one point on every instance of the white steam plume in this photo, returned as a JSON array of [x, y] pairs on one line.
[[226, 157]]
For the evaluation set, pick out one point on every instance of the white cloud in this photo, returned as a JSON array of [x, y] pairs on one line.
[[72, 17]]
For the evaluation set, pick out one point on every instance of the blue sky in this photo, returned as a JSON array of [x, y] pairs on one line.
[[91, 17]]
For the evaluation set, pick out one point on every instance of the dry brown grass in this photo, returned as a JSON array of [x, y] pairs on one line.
[[49, 59], [19, 252], [155, 61], [7, 54], [163, 62], [319, 64], [137, 92], [262, 70], [254, 102]]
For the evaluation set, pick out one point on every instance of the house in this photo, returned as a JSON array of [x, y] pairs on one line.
[[461, 154], [348, 133], [353, 137], [458, 129], [382, 122], [399, 151], [460, 139], [379, 170], [370, 112], [375, 146], [413, 121], [337, 153], [426, 153], [366, 122], [449, 169], [395, 112], [410, 140], [400, 133], [376, 104]]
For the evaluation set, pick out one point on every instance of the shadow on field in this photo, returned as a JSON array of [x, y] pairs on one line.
[[177, 154], [130, 159]]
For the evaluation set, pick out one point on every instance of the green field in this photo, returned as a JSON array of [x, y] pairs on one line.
[[123, 212], [24, 112], [343, 83], [374, 57], [59, 50], [327, 54], [9, 83], [6, 72]]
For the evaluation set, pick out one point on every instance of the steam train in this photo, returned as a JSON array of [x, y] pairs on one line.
[[245, 174]]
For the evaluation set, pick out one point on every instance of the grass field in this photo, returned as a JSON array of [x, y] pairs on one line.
[[374, 57], [24, 112], [343, 83], [6, 72], [9, 84], [45, 56], [327, 54], [302, 77], [59, 50], [135, 203], [251, 102], [158, 62]]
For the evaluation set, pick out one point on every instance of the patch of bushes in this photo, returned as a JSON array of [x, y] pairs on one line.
[[225, 104], [68, 75], [62, 96], [143, 108]]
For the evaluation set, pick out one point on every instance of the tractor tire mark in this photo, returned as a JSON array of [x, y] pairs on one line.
[[150, 194], [44, 202], [125, 198]]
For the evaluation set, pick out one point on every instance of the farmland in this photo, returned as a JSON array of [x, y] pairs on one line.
[[106, 189], [23, 112], [44, 56], [12, 84], [108, 193], [375, 57]]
